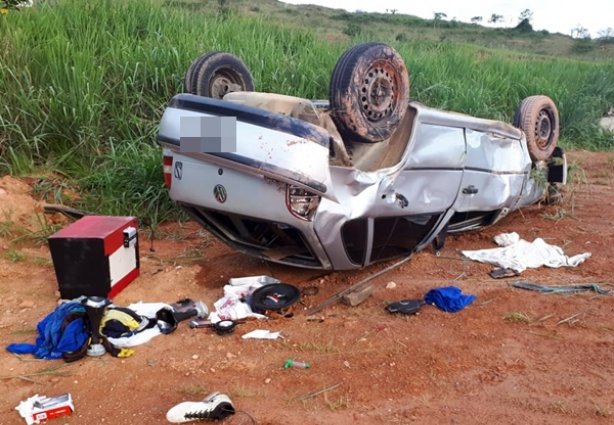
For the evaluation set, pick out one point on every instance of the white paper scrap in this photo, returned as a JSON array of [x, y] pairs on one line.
[[262, 334]]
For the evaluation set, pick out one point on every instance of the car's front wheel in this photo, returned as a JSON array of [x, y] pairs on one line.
[[538, 118]]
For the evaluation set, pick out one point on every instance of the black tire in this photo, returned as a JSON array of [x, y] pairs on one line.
[[369, 92], [214, 74], [538, 118], [190, 74]]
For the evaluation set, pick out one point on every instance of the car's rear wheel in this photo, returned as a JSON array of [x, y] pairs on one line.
[[538, 118], [215, 74], [369, 92]]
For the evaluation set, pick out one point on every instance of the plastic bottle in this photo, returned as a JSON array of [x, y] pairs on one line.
[[296, 363]]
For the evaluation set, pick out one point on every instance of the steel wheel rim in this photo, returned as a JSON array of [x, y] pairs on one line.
[[543, 129], [377, 93], [224, 83]]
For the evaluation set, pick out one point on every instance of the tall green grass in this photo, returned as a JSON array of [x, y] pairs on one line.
[[83, 85]]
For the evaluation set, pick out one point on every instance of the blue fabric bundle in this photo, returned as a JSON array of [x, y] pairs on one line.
[[448, 298], [53, 338]]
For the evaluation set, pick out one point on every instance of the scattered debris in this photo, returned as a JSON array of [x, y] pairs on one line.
[[262, 334], [225, 327], [297, 364], [94, 309], [449, 298], [561, 289], [61, 331], [339, 295], [357, 296], [187, 308], [37, 409], [521, 255], [405, 306], [276, 297], [215, 406], [506, 239], [499, 273], [233, 305], [391, 285], [318, 392], [200, 323], [69, 212]]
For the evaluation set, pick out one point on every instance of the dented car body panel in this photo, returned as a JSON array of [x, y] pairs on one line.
[[285, 195]]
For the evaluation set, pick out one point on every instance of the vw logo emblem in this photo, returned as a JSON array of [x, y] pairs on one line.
[[220, 194], [178, 170]]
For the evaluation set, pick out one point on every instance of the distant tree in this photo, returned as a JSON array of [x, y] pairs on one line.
[[526, 15], [476, 19], [392, 11], [438, 16], [494, 18], [606, 34], [524, 26], [580, 32]]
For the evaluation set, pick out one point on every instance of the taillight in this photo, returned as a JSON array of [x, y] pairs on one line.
[[301, 203], [168, 169]]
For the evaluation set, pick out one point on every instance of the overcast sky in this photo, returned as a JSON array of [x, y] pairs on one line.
[[552, 15]]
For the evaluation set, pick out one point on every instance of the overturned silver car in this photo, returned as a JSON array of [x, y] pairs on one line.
[[363, 177]]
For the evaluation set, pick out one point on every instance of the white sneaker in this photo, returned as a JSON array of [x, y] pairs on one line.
[[214, 406]]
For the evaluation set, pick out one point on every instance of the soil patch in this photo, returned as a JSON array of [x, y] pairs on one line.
[[513, 356]]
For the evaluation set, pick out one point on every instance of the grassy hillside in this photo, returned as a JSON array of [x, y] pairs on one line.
[[83, 84], [338, 25]]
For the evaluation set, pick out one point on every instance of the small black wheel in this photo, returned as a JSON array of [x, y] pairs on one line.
[[214, 74], [538, 118], [369, 92], [225, 327]]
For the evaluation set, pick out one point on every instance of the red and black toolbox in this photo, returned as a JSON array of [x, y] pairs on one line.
[[96, 255]]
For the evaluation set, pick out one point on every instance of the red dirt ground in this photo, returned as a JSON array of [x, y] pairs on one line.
[[474, 367]]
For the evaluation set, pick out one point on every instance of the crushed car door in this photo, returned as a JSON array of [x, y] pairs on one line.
[[428, 184], [495, 172]]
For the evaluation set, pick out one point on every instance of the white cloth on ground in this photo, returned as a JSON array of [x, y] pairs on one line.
[[521, 255]]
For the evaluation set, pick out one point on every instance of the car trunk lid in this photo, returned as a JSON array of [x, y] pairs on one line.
[[250, 139]]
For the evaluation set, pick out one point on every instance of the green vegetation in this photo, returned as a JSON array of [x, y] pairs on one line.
[[84, 83]]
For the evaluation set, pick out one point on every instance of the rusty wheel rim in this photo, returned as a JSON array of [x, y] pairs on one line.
[[377, 93], [543, 129], [222, 84]]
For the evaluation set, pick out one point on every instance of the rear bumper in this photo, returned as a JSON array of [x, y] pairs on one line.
[[251, 217]]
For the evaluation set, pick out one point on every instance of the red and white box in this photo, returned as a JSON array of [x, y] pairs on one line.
[[37, 409], [95, 255]]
